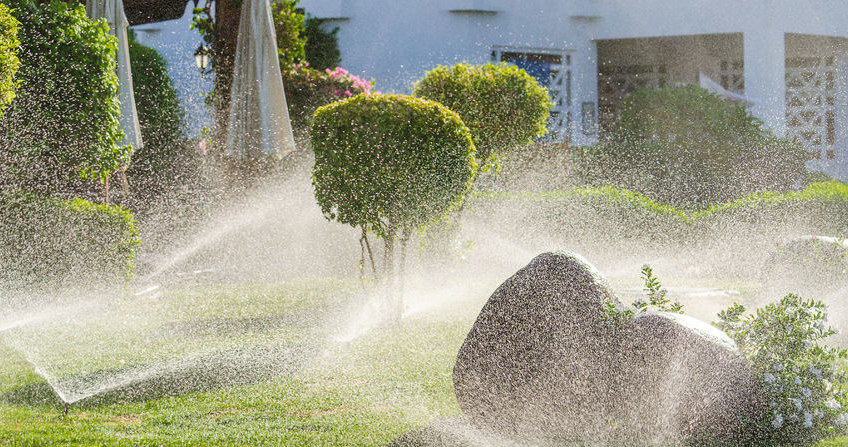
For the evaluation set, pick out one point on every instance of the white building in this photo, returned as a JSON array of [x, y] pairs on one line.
[[787, 56]]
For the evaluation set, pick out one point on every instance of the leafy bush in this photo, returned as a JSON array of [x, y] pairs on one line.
[[685, 146], [502, 105], [798, 375], [307, 89], [63, 123], [48, 242], [288, 24], [389, 163], [9, 62], [165, 159], [322, 47]]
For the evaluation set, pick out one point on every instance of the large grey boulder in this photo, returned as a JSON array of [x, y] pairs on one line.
[[544, 360]]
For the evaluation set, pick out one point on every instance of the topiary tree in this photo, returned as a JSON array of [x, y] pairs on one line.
[[165, 159], [322, 47], [389, 164], [9, 62], [63, 123], [686, 146], [501, 104]]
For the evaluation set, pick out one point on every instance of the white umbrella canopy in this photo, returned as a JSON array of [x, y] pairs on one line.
[[259, 119], [113, 12]]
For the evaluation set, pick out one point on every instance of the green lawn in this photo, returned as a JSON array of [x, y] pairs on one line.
[[257, 365]]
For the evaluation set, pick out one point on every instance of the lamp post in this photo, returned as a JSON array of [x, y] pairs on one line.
[[201, 58]]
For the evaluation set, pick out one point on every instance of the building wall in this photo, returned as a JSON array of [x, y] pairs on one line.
[[395, 42]]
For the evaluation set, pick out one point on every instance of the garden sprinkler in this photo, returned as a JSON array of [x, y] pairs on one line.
[[67, 407]]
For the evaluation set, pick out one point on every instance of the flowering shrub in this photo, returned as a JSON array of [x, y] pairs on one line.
[[798, 376], [307, 89]]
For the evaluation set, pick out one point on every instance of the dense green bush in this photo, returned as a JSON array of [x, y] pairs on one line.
[[502, 105], [63, 123], [322, 47], [48, 242], [390, 163], [685, 146], [291, 39], [165, 160], [308, 88], [9, 61]]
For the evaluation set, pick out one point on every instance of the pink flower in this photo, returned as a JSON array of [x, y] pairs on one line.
[[202, 146], [348, 93], [337, 93]]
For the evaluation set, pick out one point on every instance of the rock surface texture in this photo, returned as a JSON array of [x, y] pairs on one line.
[[545, 361]]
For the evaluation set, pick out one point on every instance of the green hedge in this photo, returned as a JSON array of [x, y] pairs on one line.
[[48, 242], [64, 121], [9, 62], [821, 208]]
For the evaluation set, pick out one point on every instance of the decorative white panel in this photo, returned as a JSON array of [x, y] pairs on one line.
[[811, 104]]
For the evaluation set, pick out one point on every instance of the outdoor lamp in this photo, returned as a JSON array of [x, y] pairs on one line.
[[201, 58]]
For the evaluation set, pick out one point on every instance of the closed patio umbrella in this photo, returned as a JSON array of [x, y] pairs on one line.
[[258, 117], [113, 12]]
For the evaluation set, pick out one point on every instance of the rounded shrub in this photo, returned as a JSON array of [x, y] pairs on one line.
[[686, 146], [502, 105], [165, 159], [83, 244], [308, 88], [389, 163], [9, 62], [63, 123]]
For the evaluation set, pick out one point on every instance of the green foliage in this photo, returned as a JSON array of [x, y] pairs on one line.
[[84, 243], [165, 159], [502, 105], [9, 61], [655, 294], [63, 123], [291, 39], [389, 163], [322, 47], [798, 375], [685, 146], [308, 88], [656, 301]]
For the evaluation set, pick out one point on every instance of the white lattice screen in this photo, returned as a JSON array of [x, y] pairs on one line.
[[811, 104], [556, 67]]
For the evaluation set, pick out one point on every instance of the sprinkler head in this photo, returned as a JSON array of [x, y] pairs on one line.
[[67, 407]]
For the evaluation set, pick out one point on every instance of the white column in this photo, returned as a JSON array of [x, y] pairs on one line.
[[765, 74], [584, 89]]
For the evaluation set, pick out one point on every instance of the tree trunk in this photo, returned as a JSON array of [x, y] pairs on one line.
[[227, 15]]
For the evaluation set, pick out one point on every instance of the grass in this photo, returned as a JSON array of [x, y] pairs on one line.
[[366, 392]]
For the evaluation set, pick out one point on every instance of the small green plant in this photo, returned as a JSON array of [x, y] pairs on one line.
[[656, 301], [291, 38], [799, 376], [656, 295]]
